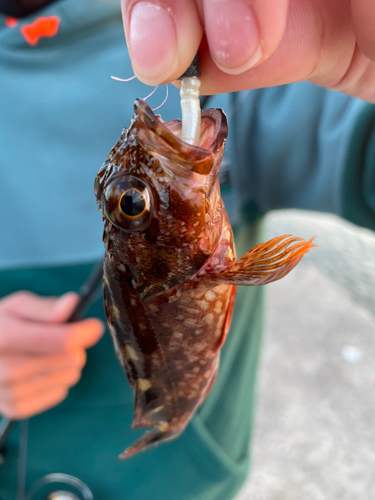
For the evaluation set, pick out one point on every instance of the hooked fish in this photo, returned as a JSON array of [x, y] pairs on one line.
[[170, 268]]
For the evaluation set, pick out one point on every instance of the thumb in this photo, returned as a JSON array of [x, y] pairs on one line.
[[162, 37]]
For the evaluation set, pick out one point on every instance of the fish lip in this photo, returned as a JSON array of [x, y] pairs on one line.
[[160, 137]]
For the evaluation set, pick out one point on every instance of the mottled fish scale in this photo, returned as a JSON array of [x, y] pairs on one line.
[[170, 271]]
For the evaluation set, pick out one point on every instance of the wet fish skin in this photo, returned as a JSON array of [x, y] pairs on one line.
[[170, 270]]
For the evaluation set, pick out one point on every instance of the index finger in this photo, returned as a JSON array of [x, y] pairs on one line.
[[32, 307], [242, 33], [19, 335], [364, 20], [313, 47]]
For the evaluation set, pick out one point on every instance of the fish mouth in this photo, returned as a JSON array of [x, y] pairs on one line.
[[163, 138]]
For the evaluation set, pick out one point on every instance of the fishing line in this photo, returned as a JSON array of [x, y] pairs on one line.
[[149, 95], [166, 97], [121, 80]]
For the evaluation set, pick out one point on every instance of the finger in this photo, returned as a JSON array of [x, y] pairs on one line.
[[18, 335], [242, 33], [363, 12], [316, 45], [162, 36], [34, 404], [12, 395], [16, 368], [37, 308]]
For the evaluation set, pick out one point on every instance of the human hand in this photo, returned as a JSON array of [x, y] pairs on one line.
[[255, 43], [41, 356]]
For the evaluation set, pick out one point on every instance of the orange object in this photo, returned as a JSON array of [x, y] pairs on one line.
[[11, 22], [41, 27]]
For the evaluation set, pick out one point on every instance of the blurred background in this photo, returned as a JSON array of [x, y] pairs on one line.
[[315, 421]]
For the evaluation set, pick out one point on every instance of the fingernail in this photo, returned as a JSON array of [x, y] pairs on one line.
[[63, 307], [232, 34], [152, 43]]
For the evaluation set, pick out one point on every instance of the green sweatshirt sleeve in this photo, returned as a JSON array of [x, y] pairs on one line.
[[303, 146], [358, 181]]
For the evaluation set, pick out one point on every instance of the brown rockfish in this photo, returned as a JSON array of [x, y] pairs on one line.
[[170, 269]]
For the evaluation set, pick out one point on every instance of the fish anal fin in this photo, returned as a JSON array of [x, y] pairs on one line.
[[264, 263], [228, 319], [210, 383], [151, 438]]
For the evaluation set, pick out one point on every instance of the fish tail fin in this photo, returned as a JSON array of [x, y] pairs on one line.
[[150, 438], [264, 263]]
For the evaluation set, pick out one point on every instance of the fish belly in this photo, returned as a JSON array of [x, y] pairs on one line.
[[169, 350]]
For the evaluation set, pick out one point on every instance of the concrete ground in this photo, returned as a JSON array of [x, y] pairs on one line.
[[315, 430]]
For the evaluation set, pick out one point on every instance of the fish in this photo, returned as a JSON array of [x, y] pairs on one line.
[[170, 267]]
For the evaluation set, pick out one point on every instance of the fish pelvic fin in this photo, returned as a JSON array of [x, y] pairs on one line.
[[264, 263]]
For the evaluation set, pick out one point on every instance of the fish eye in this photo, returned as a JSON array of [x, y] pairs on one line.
[[128, 203], [132, 203]]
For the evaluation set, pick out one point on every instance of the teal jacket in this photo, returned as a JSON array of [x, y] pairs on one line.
[[60, 113]]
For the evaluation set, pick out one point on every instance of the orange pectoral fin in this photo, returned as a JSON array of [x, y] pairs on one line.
[[264, 263]]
